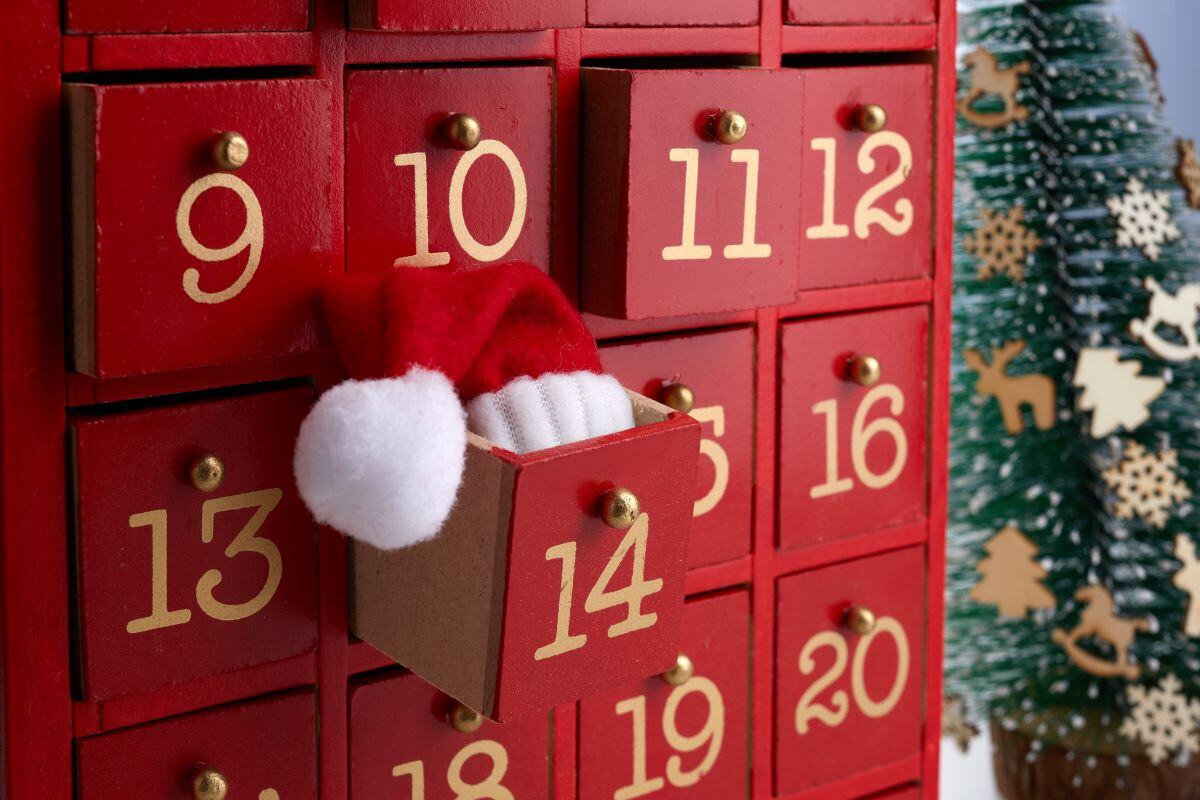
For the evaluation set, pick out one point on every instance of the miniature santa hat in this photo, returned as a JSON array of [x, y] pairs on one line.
[[380, 457]]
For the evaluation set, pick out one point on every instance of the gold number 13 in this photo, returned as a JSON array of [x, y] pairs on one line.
[[247, 541]]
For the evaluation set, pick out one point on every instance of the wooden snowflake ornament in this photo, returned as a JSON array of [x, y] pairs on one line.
[[1002, 243], [1188, 579], [1014, 392], [1146, 485], [988, 79], [1143, 219], [1188, 171], [1114, 391], [1012, 578], [1163, 719], [1099, 620], [1180, 311]]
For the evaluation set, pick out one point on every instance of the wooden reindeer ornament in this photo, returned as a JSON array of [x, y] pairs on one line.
[[1180, 311], [1100, 621], [1014, 392], [988, 79]]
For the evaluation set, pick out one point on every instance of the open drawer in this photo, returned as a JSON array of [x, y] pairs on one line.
[[528, 597]]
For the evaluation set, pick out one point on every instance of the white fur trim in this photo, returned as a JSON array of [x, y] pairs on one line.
[[381, 461], [529, 414]]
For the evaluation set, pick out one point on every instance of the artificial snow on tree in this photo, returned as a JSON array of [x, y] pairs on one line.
[[1012, 578], [1099, 494]]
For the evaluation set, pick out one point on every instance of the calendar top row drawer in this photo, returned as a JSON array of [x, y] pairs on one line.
[[196, 16], [205, 214]]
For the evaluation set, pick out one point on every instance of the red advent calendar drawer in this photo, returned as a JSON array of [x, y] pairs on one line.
[[845, 12], [866, 208], [715, 372], [201, 222], [408, 740], [184, 16], [671, 735], [466, 15], [266, 749], [195, 556], [852, 424], [906, 793], [533, 594], [448, 166], [689, 190], [672, 12], [849, 668]]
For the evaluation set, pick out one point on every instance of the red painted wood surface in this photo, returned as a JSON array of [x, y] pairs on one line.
[[404, 214], [675, 222], [184, 16], [157, 603], [719, 369], [187, 264], [841, 695], [466, 15], [400, 736], [851, 12], [672, 12], [658, 740], [266, 749], [37, 714], [609, 640], [876, 225], [872, 474]]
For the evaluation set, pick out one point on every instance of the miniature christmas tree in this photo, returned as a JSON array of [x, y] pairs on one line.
[[1091, 161], [1012, 578]]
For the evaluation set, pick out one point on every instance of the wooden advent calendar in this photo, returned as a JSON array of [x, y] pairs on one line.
[[750, 199]]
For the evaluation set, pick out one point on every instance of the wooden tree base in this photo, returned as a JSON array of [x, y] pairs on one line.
[[1059, 773]]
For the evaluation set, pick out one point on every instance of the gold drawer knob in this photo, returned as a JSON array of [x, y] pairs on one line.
[[860, 619], [207, 473], [870, 118], [729, 127], [209, 784], [678, 396], [464, 720], [681, 673], [231, 150], [864, 370], [461, 131], [620, 508]]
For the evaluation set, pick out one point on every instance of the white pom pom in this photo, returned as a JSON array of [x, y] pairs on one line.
[[382, 460]]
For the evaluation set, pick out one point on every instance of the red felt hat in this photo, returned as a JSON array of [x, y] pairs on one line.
[[418, 344]]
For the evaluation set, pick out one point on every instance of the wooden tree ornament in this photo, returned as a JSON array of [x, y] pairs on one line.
[[988, 79], [1012, 578], [1114, 391], [1014, 392], [1188, 579], [1099, 620]]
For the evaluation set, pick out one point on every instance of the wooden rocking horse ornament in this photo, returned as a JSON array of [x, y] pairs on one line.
[[987, 79], [1099, 620]]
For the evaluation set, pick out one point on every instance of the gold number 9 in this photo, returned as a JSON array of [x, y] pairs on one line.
[[250, 238]]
